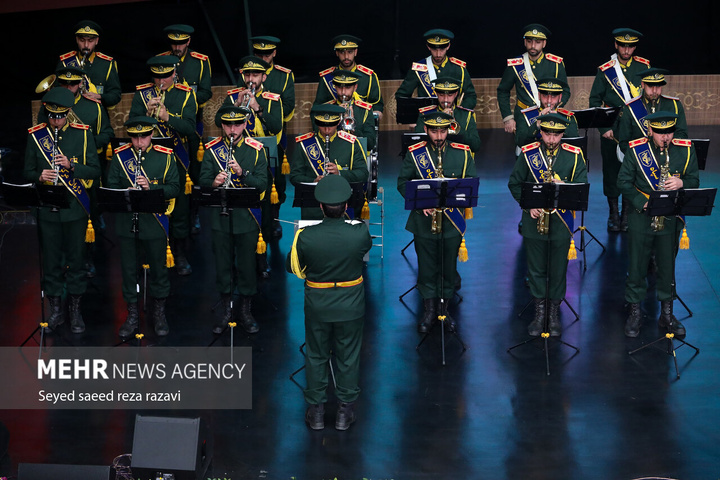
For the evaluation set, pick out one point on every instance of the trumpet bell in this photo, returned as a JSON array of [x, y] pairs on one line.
[[45, 84]]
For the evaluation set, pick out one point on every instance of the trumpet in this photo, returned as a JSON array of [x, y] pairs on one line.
[[55, 152], [543, 221], [156, 113], [347, 123], [249, 94], [228, 169], [454, 126], [437, 214], [658, 223], [138, 169]]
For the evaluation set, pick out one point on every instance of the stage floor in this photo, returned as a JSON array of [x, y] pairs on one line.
[[486, 414]]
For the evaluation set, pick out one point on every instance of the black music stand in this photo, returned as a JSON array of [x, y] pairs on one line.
[[227, 199], [441, 193], [305, 197], [135, 201], [694, 202], [32, 195], [702, 145], [564, 196], [408, 108]]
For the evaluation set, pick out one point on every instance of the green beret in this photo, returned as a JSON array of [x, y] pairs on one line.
[[551, 85], [140, 124], [662, 122], [230, 114], [437, 120], [327, 114], [58, 100], [655, 76], [447, 84], [179, 33], [251, 63], [345, 42], [553, 122], [535, 30], [345, 77], [626, 36], [69, 74], [332, 190], [162, 65], [265, 43], [438, 36], [87, 27]]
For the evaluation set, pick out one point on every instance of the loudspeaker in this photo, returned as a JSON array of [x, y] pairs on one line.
[[164, 445], [47, 471]]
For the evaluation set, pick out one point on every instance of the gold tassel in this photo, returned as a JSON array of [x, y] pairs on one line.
[[90, 233], [572, 253], [188, 184], [201, 151], [365, 212], [109, 151], [261, 245], [468, 213], [463, 253], [285, 167], [684, 240], [274, 197], [169, 259]]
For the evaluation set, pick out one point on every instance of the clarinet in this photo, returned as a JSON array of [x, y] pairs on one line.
[[228, 170], [138, 168], [55, 152], [326, 163]]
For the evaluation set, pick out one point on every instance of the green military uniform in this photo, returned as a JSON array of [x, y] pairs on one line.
[[62, 232], [181, 107], [420, 74], [334, 296], [545, 66]]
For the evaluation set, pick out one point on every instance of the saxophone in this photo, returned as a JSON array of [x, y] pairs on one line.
[[437, 214], [543, 221], [658, 223]]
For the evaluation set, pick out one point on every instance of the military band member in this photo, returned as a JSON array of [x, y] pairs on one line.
[[431, 159], [549, 90], [617, 82], [423, 73], [368, 89], [327, 152], [524, 71], [173, 106], [101, 69], [235, 161], [638, 177], [142, 165], [463, 124], [549, 160], [63, 152], [334, 301]]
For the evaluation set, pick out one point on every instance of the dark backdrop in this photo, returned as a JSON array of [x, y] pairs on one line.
[[678, 36]]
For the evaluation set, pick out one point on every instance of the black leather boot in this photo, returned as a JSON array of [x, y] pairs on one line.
[[613, 223], [624, 215], [449, 321], [161, 326], [182, 266], [131, 321], [536, 326], [246, 317], [315, 416], [261, 263], [554, 325], [668, 321], [76, 321], [429, 315], [345, 416], [632, 324], [227, 315], [57, 316]]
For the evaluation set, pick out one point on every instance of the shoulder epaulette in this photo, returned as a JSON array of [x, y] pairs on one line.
[[606, 65], [282, 69], [530, 146], [511, 62], [638, 141], [571, 148], [348, 137], [103, 56], [460, 146], [257, 145], [199, 56], [37, 127], [326, 71], [416, 146], [213, 142], [144, 85], [671, 98], [553, 58], [460, 107], [271, 96], [365, 70], [642, 60], [182, 87], [457, 61], [162, 149], [365, 105], [419, 67], [682, 142], [86, 97], [65, 56], [429, 108], [80, 126], [304, 137], [565, 112], [122, 147], [234, 90]]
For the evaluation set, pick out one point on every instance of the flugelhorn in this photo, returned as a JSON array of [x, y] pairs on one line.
[[45, 84], [249, 94], [347, 123]]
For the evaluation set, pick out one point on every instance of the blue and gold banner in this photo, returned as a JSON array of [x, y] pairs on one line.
[[424, 77], [639, 111], [315, 154]]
